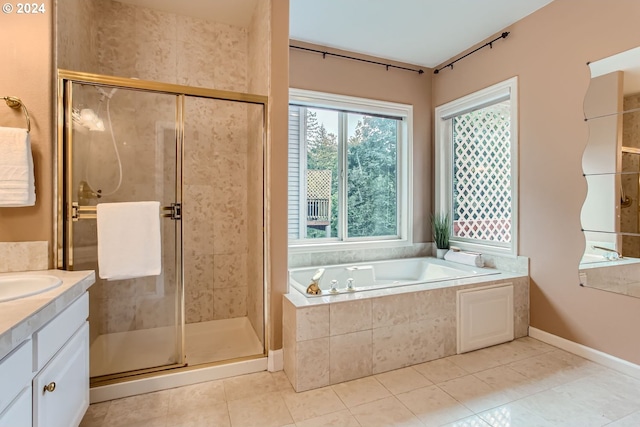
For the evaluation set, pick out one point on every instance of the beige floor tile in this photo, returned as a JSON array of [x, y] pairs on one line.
[[560, 410], [632, 420], [360, 391], [474, 393], [142, 408], [196, 396], [95, 415], [207, 415], [336, 419], [517, 350], [548, 370], [249, 385], [475, 361], [473, 421], [312, 403], [402, 380], [433, 406], [513, 415], [260, 410], [534, 343], [590, 392], [440, 370], [510, 382], [618, 384], [281, 381], [385, 412]]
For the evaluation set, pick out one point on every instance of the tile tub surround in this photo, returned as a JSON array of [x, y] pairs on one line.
[[22, 317], [338, 338]]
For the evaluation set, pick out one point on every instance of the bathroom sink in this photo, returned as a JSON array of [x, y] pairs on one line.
[[15, 286]]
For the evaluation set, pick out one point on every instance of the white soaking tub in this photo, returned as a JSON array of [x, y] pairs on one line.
[[382, 274]]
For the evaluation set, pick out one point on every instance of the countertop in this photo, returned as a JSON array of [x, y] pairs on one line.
[[20, 318]]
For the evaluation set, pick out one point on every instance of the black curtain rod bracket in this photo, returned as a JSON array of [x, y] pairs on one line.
[[325, 53], [490, 44]]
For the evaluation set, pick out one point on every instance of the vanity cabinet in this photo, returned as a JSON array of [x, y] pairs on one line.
[[15, 393], [45, 381]]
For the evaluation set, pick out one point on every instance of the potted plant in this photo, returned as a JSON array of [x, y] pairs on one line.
[[441, 226]]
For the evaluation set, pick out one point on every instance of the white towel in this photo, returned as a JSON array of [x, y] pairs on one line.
[[468, 258], [17, 184], [128, 240]]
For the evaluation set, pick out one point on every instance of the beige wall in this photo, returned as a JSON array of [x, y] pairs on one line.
[[548, 51], [310, 71], [26, 44]]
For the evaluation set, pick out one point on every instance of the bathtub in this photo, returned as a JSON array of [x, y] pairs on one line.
[[383, 274]]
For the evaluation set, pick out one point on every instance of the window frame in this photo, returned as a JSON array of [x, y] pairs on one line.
[[311, 99], [444, 114]]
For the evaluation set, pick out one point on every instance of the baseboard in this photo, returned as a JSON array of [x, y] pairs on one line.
[[588, 353], [276, 361], [176, 379]]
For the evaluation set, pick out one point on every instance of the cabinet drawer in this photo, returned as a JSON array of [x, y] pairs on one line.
[[67, 375], [15, 372], [18, 414], [52, 336]]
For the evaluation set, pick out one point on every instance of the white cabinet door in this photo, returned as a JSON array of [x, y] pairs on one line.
[[61, 389], [18, 414]]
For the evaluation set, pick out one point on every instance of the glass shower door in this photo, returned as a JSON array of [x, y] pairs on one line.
[[223, 229], [122, 146]]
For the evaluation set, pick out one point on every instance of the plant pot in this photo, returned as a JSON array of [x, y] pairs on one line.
[[440, 253]]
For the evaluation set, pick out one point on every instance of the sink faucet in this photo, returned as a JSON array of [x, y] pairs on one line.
[[314, 288], [609, 251]]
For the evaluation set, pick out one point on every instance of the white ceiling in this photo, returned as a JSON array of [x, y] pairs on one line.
[[420, 32], [628, 61], [233, 12]]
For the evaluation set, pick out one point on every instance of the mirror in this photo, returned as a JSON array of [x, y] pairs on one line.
[[611, 165]]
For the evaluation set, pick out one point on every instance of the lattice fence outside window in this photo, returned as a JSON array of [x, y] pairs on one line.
[[482, 174], [318, 197]]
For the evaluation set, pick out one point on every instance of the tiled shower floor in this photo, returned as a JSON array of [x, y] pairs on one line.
[[519, 384]]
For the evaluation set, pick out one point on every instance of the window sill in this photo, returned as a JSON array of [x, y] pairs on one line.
[[506, 252], [348, 246]]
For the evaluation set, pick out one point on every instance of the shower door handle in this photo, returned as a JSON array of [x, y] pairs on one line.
[[174, 211]]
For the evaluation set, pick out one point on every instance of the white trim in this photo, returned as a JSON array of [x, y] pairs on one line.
[[170, 380], [405, 169], [507, 89], [275, 361], [588, 353]]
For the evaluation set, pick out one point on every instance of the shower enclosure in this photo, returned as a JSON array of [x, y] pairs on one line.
[[200, 153]]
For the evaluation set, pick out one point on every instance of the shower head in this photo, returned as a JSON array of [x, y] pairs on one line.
[[88, 119]]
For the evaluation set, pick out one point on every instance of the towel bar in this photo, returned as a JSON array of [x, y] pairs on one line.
[[17, 103], [174, 211]]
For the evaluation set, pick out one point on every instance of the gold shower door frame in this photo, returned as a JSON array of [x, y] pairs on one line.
[[64, 210]]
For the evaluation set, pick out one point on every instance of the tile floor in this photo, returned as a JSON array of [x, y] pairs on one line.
[[519, 384]]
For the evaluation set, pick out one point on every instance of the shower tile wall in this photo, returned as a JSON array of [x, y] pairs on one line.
[[223, 273], [629, 220]]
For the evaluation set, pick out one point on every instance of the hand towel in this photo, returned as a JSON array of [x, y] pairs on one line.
[[468, 258], [17, 183], [128, 240]]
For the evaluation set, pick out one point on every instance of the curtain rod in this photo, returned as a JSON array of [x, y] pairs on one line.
[[490, 44], [325, 53]]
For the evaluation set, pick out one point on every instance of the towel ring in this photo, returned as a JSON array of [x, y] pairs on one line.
[[17, 103]]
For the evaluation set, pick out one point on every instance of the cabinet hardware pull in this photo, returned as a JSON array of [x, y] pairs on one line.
[[50, 387]]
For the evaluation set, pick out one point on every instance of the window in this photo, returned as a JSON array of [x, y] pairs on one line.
[[348, 171], [476, 168]]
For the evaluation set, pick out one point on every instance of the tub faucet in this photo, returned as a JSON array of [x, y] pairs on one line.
[[610, 253], [314, 288]]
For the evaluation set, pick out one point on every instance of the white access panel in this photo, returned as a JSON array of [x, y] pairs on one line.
[[485, 317]]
